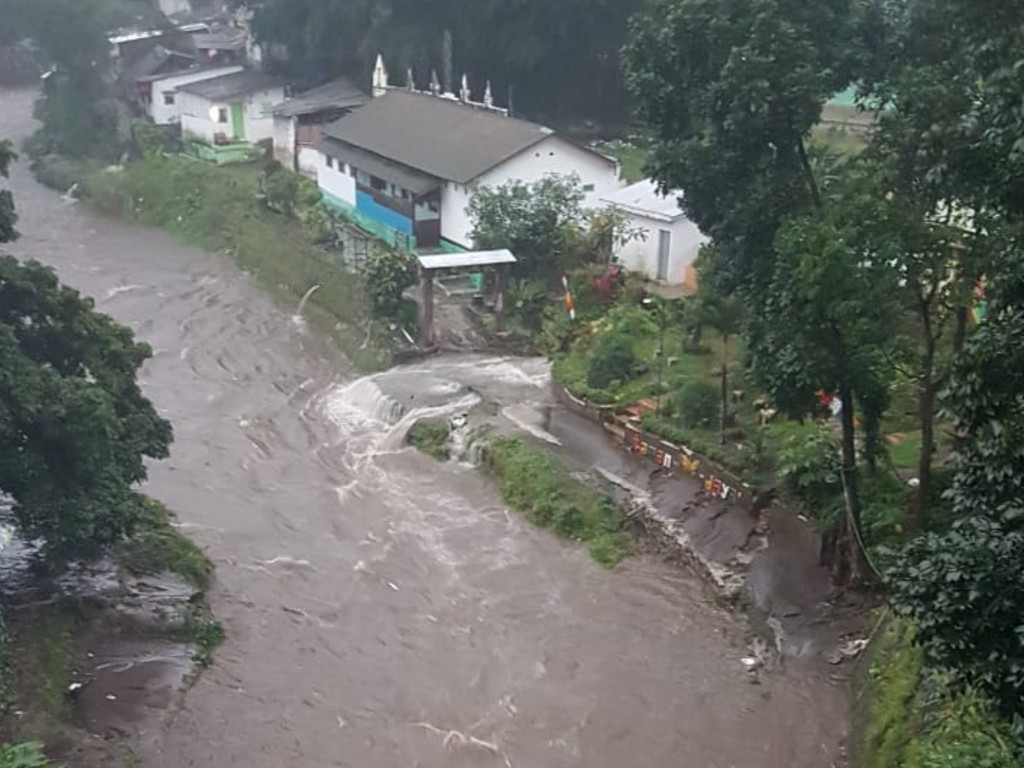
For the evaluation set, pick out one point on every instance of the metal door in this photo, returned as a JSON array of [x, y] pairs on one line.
[[664, 246]]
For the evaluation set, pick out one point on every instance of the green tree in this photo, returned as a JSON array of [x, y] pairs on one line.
[[74, 426], [731, 98], [387, 275], [559, 56], [79, 116], [541, 223], [8, 216], [955, 126]]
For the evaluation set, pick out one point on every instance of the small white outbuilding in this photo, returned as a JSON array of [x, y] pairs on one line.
[[669, 242]]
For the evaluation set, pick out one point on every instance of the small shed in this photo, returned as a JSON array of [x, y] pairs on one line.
[[669, 242]]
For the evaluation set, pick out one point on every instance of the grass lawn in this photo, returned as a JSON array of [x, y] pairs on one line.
[[631, 157]]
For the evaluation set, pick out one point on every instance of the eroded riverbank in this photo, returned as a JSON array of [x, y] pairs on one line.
[[380, 607]]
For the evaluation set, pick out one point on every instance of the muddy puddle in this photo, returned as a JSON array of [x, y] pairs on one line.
[[99, 649]]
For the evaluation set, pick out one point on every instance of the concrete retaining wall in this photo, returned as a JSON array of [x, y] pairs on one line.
[[717, 482]]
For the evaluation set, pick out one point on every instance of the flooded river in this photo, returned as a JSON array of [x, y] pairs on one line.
[[383, 610]]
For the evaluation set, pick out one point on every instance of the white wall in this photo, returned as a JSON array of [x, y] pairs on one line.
[[642, 255], [284, 141], [259, 122], [195, 118], [455, 222], [308, 161], [333, 181], [171, 7], [163, 114], [197, 112], [553, 155]]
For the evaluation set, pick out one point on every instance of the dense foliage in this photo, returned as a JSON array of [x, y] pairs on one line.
[[558, 59], [540, 223], [914, 719], [388, 274], [74, 426], [857, 271], [8, 216]]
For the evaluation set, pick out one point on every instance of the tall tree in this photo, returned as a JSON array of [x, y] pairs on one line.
[[74, 426], [559, 56], [8, 216], [731, 92]]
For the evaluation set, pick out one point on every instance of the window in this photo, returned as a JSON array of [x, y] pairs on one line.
[[222, 115], [588, 187], [169, 98], [378, 184], [330, 161]]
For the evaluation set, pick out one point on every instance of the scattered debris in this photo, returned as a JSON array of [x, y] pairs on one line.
[[453, 739], [848, 650]]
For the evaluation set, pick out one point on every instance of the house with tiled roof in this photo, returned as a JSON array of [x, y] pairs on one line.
[[405, 165]]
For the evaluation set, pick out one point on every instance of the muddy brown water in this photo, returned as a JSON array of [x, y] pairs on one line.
[[383, 610]]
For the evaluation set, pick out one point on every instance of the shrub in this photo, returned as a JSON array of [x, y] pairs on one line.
[[611, 360], [526, 301], [535, 483], [158, 547], [26, 754], [962, 589], [431, 437], [697, 404], [388, 274], [915, 718], [809, 467]]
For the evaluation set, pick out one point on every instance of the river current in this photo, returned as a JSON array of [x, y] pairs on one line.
[[384, 610]]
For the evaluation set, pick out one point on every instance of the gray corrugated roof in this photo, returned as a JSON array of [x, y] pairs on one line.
[[400, 175], [442, 137], [339, 94], [645, 198], [231, 86], [151, 62]]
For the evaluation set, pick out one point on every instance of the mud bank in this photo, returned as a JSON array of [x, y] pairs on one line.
[[94, 653]]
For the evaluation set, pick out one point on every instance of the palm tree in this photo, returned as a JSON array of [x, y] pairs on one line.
[[723, 314]]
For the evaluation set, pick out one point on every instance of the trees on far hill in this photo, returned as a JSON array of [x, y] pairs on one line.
[[560, 58]]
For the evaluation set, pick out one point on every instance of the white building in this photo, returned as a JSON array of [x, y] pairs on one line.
[[670, 241], [299, 122], [230, 108], [163, 105], [406, 164]]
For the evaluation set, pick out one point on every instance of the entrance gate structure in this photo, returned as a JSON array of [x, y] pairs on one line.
[[440, 264]]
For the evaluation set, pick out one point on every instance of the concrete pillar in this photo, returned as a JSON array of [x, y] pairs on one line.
[[427, 338], [499, 297]]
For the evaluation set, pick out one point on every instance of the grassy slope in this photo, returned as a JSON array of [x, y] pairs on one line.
[[219, 209], [535, 482], [905, 718]]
